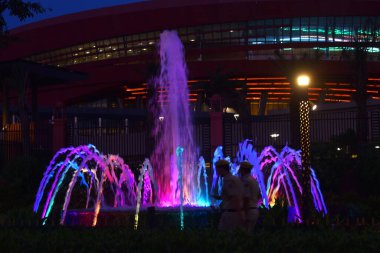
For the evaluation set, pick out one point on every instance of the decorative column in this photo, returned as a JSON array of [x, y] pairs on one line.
[[59, 134], [216, 130], [305, 156], [5, 105], [304, 119]]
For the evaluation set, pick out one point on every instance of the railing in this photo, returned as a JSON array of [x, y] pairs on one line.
[[110, 136], [11, 140], [131, 139], [276, 130]]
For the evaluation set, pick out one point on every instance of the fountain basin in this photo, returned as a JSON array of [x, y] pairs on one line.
[[149, 217]]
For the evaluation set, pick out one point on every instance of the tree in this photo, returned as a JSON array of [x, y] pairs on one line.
[[20, 9], [222, 85]]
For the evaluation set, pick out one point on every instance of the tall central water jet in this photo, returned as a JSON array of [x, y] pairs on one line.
[[172, 125]]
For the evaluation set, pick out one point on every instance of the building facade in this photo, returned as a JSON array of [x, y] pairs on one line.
[[253, 47]]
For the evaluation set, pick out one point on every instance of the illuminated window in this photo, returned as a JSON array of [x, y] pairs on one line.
[[256, 32]]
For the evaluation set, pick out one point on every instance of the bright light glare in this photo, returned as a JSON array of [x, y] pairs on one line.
[[274, 135], [303, 80]]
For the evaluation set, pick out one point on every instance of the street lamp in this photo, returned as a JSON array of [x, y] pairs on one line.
[[303, 82]]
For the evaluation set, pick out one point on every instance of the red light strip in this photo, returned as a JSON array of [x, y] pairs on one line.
[[135, 89], [338, 89], [139, 93], [268, 88], [338, 95]]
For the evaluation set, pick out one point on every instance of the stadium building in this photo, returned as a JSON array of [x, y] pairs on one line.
[[250, 49]]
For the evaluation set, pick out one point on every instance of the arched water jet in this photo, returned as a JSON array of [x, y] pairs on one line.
[[87, 164], [247, 153], [281, 178], [202, 170]]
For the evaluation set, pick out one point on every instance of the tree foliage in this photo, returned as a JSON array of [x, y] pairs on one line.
[[18, 8]]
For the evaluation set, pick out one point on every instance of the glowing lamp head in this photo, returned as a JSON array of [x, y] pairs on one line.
[[303, 80], [274, 135]]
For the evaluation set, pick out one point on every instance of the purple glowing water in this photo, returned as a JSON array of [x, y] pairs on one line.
[[92, 169], [173, 126], [280, 171]]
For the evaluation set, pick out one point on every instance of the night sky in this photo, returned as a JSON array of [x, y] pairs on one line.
[[62, 7]]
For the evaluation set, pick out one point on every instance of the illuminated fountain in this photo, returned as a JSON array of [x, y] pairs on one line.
[[173, 177], [173, 127]]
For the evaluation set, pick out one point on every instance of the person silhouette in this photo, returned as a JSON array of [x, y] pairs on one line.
[[251, 194], [232, 193]]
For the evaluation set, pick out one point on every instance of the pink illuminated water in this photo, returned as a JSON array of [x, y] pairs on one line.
[[173, 126], [94, 171]]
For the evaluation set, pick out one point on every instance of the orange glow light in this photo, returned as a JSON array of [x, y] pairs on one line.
[[338, 95], [267, 78], [267, 88], [139, 93], [259, 83], [135, 89], [338, 89], [337, 100], [195, 81], [282, 83], [129, 98]]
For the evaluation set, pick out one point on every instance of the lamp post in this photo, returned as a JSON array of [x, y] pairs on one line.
[[303, 82]]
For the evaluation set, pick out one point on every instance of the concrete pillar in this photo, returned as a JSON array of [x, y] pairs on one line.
[[216, 130], [5, 106], [59, 134], [34, 94]]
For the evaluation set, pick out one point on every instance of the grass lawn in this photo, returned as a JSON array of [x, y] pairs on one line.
[[118, 239]]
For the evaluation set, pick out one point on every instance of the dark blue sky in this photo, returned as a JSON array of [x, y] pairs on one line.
[[62, 7]]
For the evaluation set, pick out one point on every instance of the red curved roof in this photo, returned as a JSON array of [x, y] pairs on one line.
[[74, 29], [149, 16]]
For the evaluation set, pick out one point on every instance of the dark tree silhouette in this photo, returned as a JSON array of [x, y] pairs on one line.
[[18, 79], [20, 9]]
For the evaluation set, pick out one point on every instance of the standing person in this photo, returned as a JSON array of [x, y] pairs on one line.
[[251, 195], [232, 192]]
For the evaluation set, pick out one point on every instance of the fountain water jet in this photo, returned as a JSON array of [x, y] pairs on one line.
[[173, 126], [87, 164]]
